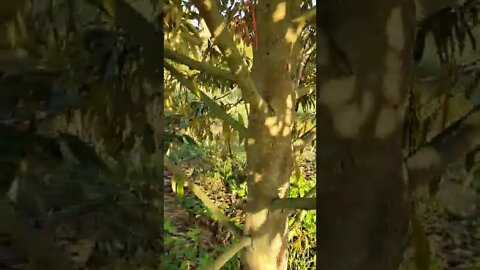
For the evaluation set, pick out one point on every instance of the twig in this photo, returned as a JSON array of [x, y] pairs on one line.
[[294, 203], [201, 66], [230, 252], [216, 212], [304, 140], [212, 105], [306, 16], [302, 213], [432, 159], [216, 24]]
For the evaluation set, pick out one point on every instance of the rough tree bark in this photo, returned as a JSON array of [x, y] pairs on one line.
[[364, 74]]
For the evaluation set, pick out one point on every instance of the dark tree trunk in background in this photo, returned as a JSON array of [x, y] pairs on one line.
[[364, 73]]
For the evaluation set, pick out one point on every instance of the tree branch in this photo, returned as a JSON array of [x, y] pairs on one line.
[[294, 203], [301, 214], [303, 62], [307, 90], [230, 252], [216, 212], [307, 16], [214, 107], [201, 66], [218, 27], [304, 140], [431, 160], [426, 8]]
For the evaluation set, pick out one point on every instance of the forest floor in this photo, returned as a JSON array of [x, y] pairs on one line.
[[187, 214], [454, 239], [123, 233]]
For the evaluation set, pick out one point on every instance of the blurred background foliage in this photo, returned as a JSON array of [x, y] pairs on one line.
[[80, 146]]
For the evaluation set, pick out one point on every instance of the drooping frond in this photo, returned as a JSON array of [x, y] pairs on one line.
[[451, 28]]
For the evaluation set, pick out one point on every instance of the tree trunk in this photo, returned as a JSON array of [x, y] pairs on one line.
[[269, 143], [364, 74]]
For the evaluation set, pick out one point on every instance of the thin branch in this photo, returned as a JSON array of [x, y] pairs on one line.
[[457, 70], [303, 62], [307, 16], [192, 38], [216, 212], [222, 37], [230, 252], [431, 160], [304, 140], [302, 213], [307, 90], [212, 105], [294, 203], [426, 8], [201, 66]]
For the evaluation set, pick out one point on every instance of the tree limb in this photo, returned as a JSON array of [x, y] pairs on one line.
[[307, 90], [294, 203], [303, 62], [214, 107], [307, 16], [201, 66], [230, 252], [426, 8], [431, 160], [304, 140], [302, 213], [218, 27], [216, 212]]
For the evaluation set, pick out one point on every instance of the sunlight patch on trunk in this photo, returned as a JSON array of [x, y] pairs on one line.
[[393, 77], [386, 123], [337, 91], [394, 29], [280, 12]]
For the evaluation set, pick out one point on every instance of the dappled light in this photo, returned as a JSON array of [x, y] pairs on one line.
[[394, 30], [397, 172], [263, 106], [387, 122], [336, 92], [392, 79], [280, 12]]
